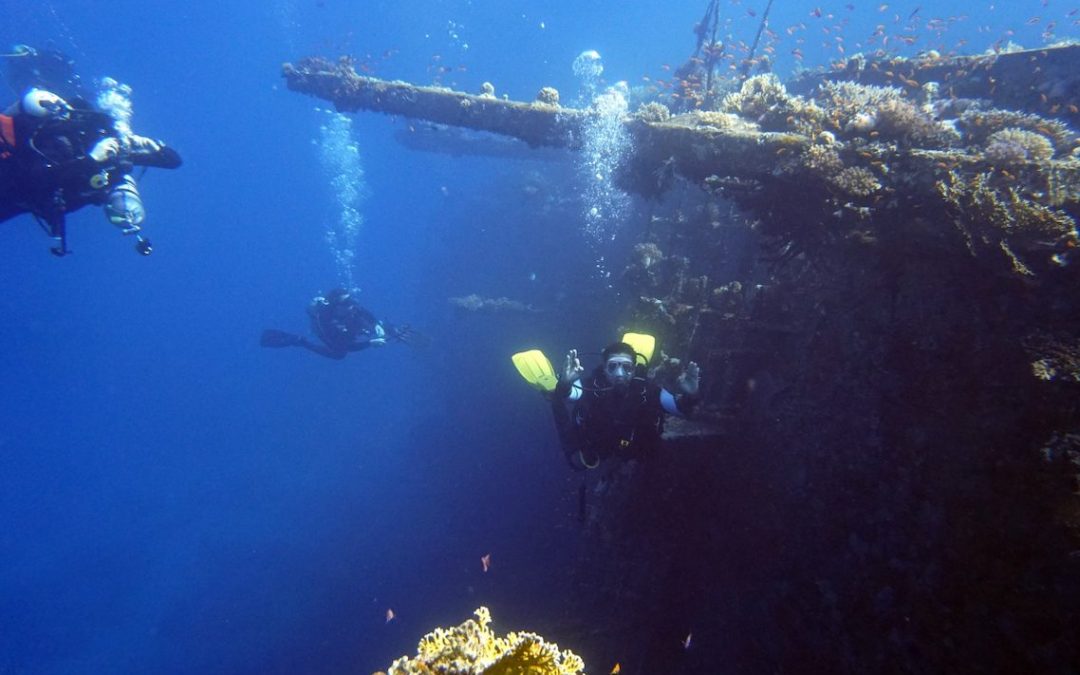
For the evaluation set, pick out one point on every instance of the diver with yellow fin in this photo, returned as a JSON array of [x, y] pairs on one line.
[[617, 411]]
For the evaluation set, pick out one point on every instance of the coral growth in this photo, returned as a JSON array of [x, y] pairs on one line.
[[856, 181], [763, 99], [472, 648], [852, 107], [548, 96], [822, 159], [882, 112], [900, 120], [646, 270], [1018, 145], [647, 254], [653, 112], [1006, 209], [717, 120], [476, 303], [979, 125], [990, 213], [1054, 357], [727, 298]]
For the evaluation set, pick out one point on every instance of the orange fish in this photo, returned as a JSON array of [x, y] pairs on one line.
[[615, 670], [485, 560], [389, 615]]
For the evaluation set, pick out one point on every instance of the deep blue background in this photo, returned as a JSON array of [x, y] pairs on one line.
[[174, 498]]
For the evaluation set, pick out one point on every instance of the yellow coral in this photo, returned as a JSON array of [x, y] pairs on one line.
[[472, 648]]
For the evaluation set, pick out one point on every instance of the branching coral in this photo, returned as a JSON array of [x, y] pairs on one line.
[[763, 99], [472, 648], [901, 120], [856, 181], [853, 107], [865, 110], [823, 160], [989, 214]]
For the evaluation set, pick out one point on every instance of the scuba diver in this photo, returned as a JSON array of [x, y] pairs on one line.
[[48, 69], [617, 411], [342, 326], [58, 155]]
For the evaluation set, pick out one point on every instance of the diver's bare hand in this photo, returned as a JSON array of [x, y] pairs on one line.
[[690, 380], [572, 370], [380, 336]]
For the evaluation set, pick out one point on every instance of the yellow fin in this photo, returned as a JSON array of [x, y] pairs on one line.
[[536, 369], [643, 344]]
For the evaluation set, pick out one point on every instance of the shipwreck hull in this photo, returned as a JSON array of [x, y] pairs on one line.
[[887, 314]]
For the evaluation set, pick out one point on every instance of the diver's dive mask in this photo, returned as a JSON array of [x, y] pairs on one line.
[[619, 368]]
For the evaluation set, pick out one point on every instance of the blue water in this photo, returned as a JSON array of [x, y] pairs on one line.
[[174, 498]]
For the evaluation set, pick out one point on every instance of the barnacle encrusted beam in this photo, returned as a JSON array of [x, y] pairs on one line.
[[542, 123], [858, 156], [691, 148]]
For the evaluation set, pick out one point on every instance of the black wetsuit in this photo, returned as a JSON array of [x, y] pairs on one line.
[[46, 169], [343, 326], [607, 422]]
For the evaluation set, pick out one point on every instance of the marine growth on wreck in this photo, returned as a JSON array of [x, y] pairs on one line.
[[898, 241]]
